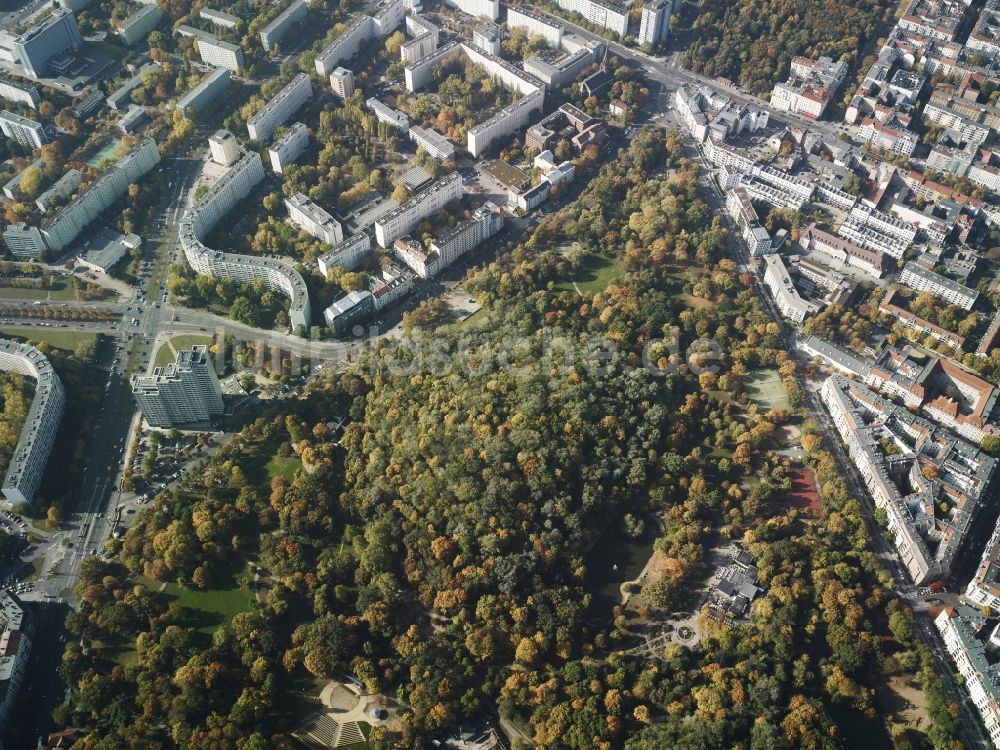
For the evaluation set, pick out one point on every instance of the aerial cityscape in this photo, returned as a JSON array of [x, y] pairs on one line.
[[582, 374]]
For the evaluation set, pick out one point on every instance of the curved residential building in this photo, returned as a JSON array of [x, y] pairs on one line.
[[200, 219], [39, 431]]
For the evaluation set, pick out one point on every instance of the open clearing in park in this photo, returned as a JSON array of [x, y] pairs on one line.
[[765, 389], [65, 340], [594, 274]]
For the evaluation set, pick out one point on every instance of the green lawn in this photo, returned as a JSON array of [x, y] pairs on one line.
[[211, 608], [594, 274], [165, 356], [65, 340], [478, 319], [59, 289], [765, 389], [284, 466]]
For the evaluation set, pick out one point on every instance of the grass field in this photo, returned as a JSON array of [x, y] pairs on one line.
[[211, 608], [594, 275], [765, 389], [59, 289], [164, 355], [476, 320], [282, 466], [65, 340]]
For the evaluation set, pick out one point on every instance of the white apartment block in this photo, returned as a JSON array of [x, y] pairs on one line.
[[226, 150], [713, 116], [285, 103], [388, 115], [31, 454], [23, 241], [275, 31], [488, 36], [220, 54], [535, 24], [875, 230], [63, 228], [235, 185], [183, 392], [206, 92], [64, 187], [787, 298], [456, 242], [920, 279], [402, 219], [654, 26], [504, 123], [306, 215], [603, 14], [985, 175], [135, 28], [16, 632], [347, 254], [342, 82], [985, 36], [219, 18], [345, 46], [21, 129], [432, 142], [488, 9], [892, 138], [288, 147], [982, 679], [363, 29], [20, 93], [745, 215], [424, 39]]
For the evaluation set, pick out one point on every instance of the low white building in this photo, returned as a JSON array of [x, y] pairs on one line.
[[306, 215]]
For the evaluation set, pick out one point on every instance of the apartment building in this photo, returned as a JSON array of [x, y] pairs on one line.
[[183, 392], [602, 14], [64, 187], [889, 136], [536, 25], [389, 284], [342, 83], [488, 36], [872, 262], [488, 9], [56, 39], [985, 35], [423, 39], [388, 115], [928, 519], [504, 123], [345, 46], [968, 639], [285, 103], [200, 219], [432, 142], [288, 147], [353, 307], [16, 633], [989, 340], [306, 215], [24, 242], [810, 87], [206, 92], [942, 390], [275, 31], [835, 357], [741, 209], [19, 93], [557, 71], [786, 297], [451, 244], [226, 150], [875, 230], [220, 18], [404, 218], [888, 306], [137, 26], [26, 132], [712, 115], [31, 453], [347, 254], [62, 229], [214, 51], [933, 19], [654, 25], [919, 278]]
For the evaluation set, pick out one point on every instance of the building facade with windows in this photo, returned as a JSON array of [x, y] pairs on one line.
[[183, 392]]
